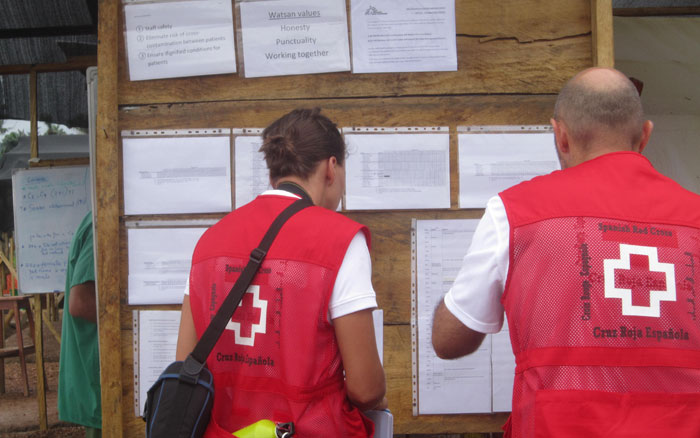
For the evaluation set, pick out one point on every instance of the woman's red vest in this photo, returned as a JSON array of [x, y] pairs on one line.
[[278, 359], [601, 302]]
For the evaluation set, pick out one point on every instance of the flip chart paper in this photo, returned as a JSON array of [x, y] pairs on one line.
[[49, 204], [403, 36], [289, 37], [397, 171], [168, 175], [179, 38]]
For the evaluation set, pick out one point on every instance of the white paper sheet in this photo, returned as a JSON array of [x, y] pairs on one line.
[[481, 382], [167, 175], [179, 38], [446, 386], [492, 162], [397, 171], [503, 368], [154, 348], [251, 175], [403, 36], [289, 37], [159, 263], [378, 319]]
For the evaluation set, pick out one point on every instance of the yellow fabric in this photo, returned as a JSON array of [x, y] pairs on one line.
[[259, 429]]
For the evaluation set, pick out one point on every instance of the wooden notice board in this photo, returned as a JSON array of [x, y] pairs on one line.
[[513, 57]]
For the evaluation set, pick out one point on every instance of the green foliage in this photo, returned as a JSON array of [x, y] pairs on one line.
[[54, 129], [10, 141]]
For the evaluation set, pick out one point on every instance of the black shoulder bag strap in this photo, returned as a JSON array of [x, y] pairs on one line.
[[196, 360], [218, 323]]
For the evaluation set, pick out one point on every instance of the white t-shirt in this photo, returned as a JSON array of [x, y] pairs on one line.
[[475, 296], [353, 290]]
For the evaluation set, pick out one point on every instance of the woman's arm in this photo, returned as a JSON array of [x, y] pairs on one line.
[[364, 375], [187, 336]]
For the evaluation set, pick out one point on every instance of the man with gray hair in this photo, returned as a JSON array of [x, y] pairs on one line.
[[596, 267]]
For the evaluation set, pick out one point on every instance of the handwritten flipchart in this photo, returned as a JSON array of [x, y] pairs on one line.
[[49, 204]]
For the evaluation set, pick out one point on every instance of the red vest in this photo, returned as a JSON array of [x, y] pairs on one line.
[[601, 302], [278, 358]]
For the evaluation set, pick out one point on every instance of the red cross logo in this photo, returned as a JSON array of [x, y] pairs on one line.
[[249, 318], [639, 280]]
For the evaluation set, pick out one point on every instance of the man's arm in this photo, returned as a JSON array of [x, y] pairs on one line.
[[82, 302], [451, 338]]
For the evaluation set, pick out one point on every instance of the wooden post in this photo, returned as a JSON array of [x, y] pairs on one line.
[[39, 356], [602, 30], [33, 117], [107, 220]]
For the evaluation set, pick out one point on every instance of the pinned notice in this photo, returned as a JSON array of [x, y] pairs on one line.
[[181, 38], [403, 36], [283, 37]]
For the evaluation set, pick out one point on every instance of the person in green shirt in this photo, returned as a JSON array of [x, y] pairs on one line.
[[79, 365]]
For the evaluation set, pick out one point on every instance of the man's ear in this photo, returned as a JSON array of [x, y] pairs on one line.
[[647, 128], [561, 136]]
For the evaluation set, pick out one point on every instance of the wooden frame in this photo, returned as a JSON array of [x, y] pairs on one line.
[[513, 56]]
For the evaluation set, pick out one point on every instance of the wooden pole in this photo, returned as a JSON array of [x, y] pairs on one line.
[[33, 117], [107, 220], [602, 32], [39, 356]]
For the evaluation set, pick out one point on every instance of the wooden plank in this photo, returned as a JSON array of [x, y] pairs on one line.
[[656, 12], [75, 63], [498, 66], [525, 21], [602, 30], [14, 351], [107, 191], [39, 357], [62, 162], [33, 118], [10, 267], [405, 111]]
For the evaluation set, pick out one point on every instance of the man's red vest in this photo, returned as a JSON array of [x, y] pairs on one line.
[[601, 302], [278, 358]]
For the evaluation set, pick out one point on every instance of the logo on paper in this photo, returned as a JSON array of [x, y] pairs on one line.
[[374, 11], [249, 318], [638, 278]]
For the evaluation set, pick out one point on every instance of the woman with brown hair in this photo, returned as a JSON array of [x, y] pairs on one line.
[[301, 346]]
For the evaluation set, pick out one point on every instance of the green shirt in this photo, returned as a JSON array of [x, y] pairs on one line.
[[79, 367]]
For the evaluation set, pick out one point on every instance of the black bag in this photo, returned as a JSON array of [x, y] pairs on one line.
[[197, 396], [179, 403]]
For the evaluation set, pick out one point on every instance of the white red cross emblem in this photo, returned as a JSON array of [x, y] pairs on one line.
[[639, 270], [249, 318]]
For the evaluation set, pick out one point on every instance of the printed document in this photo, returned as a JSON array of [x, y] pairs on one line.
[[481, 382], [179, 38], [492, 162], [155, 342], [397, 171], [251, 174], [169, 175], [291, 37], [403, 36], [159, 263]]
